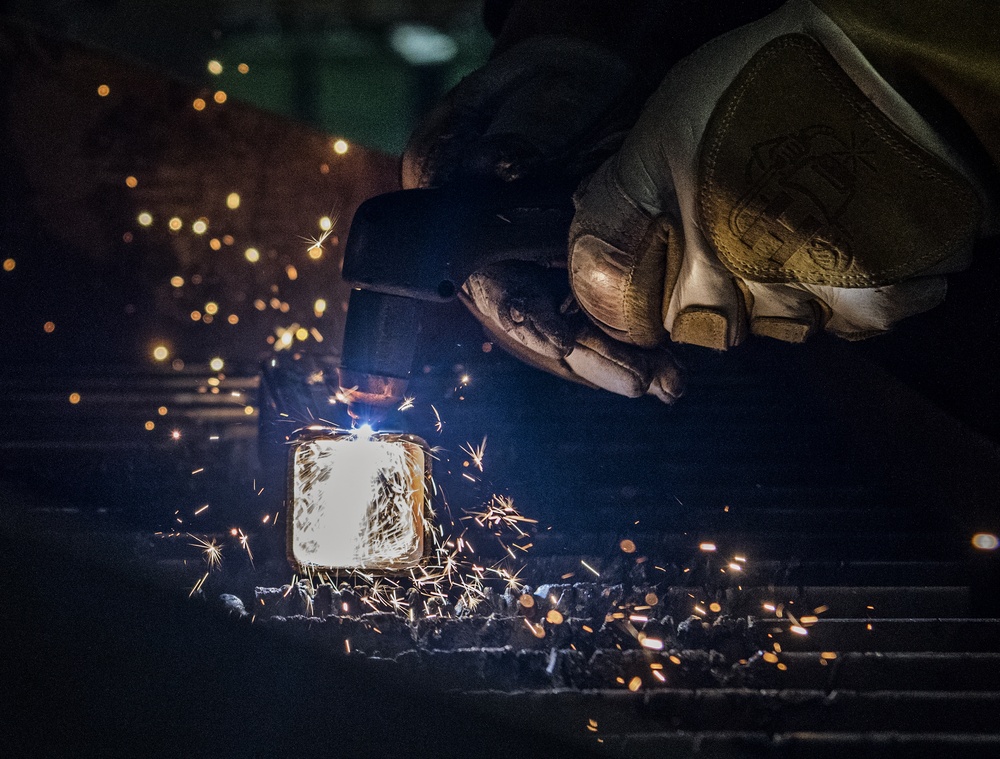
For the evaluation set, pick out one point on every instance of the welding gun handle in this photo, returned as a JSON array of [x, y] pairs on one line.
[[425, 243]]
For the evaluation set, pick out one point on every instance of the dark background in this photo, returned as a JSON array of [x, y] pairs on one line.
[[104, 657]]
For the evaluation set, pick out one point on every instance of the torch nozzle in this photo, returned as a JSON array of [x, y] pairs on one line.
[[370, 396]]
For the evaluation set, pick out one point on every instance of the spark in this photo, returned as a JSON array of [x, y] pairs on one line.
[[537, 630], [500, 512], [316, 243], [708, 547], [513, 581], [985, 541], [406, 404], [438, 425], [212, 551], [476, 453], [245, 544], [197, 585], [596, 573]]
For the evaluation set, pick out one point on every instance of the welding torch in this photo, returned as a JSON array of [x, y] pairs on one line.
[[411, 248]]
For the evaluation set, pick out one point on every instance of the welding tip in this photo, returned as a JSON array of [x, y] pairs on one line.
[[370, 396]]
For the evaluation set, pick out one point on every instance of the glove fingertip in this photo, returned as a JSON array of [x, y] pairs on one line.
[[667, 385]]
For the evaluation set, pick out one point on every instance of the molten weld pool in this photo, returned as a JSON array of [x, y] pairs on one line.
[[358, 502]]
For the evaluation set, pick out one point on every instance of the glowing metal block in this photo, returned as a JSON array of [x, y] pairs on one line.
[[358, 502]]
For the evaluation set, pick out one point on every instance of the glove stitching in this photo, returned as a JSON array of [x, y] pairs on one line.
[[808, 46]]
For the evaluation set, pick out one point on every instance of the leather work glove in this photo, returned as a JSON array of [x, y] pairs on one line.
[[519, 304], [565, 82], [775, 184], [520, 115], [554, 104]]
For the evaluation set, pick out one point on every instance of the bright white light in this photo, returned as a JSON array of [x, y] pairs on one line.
[[365, 432], [357, 503], [421, 45]]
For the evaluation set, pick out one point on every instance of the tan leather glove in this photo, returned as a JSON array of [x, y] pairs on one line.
[[520, 305], [775, 184]]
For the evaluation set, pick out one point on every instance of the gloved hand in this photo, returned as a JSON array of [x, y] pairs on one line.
[[554, 106], [775, 184], [519, 303]]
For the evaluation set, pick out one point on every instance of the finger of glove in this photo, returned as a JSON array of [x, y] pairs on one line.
[[783, 311], [624, 369], [515, 299], [857, 313], [535, 101], [629, 269]]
